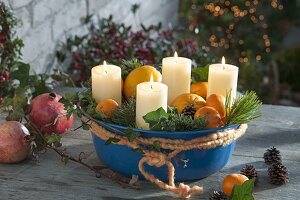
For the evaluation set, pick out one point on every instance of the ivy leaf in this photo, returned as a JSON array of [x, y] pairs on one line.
[[111, 140], [200, 74], [155, 146], [154, 117], [131, 135], [244, 191]]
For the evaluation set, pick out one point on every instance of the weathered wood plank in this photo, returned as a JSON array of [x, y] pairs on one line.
[[51, 179]]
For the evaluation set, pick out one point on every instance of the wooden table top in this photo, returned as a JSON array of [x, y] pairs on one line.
[[51, 179]]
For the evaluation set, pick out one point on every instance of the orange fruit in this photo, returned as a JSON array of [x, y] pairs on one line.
[[183, 100], [218, 102], [231, 180], [139, 75], [211, 115], [107, 107], [200, 89]]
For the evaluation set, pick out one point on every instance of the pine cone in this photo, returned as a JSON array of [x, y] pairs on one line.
[[272, 155], [250, 172], [189, 110], [218, 195], [278, 174]]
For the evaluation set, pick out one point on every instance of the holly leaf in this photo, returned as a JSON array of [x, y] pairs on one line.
[[131, 135], [244, 191], [200, 74], [154, 118]]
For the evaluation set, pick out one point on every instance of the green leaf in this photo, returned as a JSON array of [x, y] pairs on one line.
[[53, 138], [56, 77], [200, 74], [131, 135], [111, 140], [244, 191], [65, 159], [40, 86], [155, 146], [154, 117], [21, 73], [85, 126], [134, 8]]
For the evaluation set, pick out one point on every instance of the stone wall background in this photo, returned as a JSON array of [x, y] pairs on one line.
[[46, 22]]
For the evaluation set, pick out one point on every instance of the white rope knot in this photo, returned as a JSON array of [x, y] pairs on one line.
[[186, 191], [155, 159]]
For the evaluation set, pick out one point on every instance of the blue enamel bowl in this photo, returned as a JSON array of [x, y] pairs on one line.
[[189, 165]]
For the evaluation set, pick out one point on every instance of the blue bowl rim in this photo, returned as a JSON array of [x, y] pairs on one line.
[[154, 133]]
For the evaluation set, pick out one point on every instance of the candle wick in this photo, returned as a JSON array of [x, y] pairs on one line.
[[223, 67], [151, 87], [106, 72]]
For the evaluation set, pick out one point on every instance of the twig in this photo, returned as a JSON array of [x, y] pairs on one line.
[[99, 170]]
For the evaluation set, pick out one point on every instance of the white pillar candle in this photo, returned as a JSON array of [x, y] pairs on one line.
[[176, 74], [106, 83], [149, 97], [222, 78]]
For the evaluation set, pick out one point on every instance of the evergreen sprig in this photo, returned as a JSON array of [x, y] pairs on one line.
[[244, 109], [125, 114], [129, 65]]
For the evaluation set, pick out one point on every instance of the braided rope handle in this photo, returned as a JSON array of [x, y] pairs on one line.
[[159, 159]]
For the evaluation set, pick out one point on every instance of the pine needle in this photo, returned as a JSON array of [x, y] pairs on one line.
[[244, 109], [125, 115]]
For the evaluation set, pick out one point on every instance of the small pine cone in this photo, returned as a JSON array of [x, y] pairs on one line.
[[218, 195], [189, 110], [278, 174], [250, 172], [272, 155]]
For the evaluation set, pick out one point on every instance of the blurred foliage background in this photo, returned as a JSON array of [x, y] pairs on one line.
[[261, 37]]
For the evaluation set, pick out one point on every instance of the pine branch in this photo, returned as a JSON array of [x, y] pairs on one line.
[[244, 109]]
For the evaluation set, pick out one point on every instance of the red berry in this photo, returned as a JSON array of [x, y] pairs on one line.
[[2, 79], [1, 100], [5, 74]]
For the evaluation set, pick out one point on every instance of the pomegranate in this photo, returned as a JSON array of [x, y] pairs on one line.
[[49, 115], [13, 145]]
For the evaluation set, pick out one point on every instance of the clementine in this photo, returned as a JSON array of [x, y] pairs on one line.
[[200, 89], [107, 107], [218, 102], [211, 115], [139, 75], [183, 100], [231, 180]]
